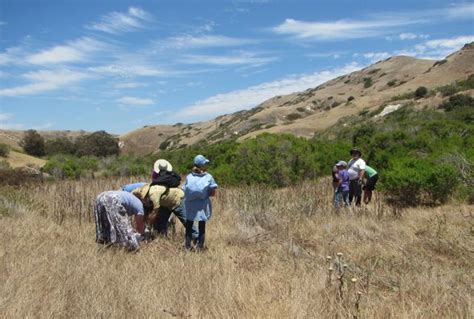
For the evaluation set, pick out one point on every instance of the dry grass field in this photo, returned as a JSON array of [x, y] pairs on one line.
[[267, 258]]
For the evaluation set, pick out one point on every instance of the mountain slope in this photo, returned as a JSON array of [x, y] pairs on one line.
[[304, 113]]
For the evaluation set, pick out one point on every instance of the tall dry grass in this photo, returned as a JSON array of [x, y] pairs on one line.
[[267, 258]]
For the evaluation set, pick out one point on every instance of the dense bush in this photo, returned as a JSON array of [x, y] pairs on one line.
[[457, 101], [421, 92], [98, 144], [33, 143], [60, 145], [367, 82], [4, 150], [68, 166]]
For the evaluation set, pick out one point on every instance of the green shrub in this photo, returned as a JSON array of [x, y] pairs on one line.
[[457, 101], [293, 116], [60, 145], [412, 181], [421, 92], [4, 150], [367, 82], [33, 143], [392, 82], [350, 98]]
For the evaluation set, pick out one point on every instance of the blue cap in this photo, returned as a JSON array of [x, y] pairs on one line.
[[200, 160]]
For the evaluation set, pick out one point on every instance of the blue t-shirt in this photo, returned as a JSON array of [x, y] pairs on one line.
[[131, 203], [198, 206]]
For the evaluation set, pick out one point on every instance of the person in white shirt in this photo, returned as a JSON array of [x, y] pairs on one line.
[[356, 169]]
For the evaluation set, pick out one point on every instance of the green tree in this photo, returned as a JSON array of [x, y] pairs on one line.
[[60, 145], [99, 144], [33, 143]]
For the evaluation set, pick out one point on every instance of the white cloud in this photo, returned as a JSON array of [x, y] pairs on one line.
[[45, 80], [117, 22], [375, 25], [254, 95], [243, 58], [136, 101], [337, 30], [189, 41], [436, 49], [128, 70], [129, 85], [412, 36], [73, 51], [5, 116], [376, 56], [2, 23]]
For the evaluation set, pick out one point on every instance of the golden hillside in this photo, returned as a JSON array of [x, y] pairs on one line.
[[304, 113]]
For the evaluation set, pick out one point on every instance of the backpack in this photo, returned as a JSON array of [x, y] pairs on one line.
[[196, 188], [167, 179]]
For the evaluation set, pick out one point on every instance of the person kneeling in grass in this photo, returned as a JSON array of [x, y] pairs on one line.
[[111, 211], [198, 189], [372, 177]]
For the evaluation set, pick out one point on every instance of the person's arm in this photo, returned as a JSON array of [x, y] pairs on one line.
[[212, 192], [140, 223]]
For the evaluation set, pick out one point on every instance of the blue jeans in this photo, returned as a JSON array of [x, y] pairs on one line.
[[161, 223], [340, 197]]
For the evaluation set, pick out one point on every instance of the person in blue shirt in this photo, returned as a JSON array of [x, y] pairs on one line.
[[198, 188]]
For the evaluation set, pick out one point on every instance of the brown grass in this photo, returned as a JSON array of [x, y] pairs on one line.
[[266, 259]]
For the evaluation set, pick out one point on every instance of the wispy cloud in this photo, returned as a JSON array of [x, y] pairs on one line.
[[130, 70], [45, 80], [129, 85], [242, 58], [203, 41], [435, 49], [254, 95], [71, 52], [337, 30], [5, 116], [135, 101], [118, 22], [376, 25]]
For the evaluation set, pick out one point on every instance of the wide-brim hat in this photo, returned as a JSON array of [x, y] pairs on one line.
[[162, 165], [355, 150]]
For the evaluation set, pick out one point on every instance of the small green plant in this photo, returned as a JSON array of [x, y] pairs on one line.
[[350, 98], [367, 82], [293, 116], [392, 82]]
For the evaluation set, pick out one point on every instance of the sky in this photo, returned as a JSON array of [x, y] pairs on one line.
[[119, 65]]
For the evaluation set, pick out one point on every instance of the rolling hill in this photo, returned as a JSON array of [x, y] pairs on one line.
[[305, 113]]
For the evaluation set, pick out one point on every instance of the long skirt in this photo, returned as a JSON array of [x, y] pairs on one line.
[[112, 223]]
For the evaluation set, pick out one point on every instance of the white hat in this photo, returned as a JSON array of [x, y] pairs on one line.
[[162, 165]]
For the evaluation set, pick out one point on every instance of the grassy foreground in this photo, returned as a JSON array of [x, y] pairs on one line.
[[267, 258]]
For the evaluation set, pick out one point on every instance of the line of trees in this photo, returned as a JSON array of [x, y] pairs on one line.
[[100, 144]]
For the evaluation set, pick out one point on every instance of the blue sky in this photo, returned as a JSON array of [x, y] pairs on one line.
[[119, 65]]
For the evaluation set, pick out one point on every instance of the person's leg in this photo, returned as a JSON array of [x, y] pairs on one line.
[[180, 213], [352, 186], [161, 223], [337, 198], [188, 234], [345, 198], [202, 234], [358, 194]]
